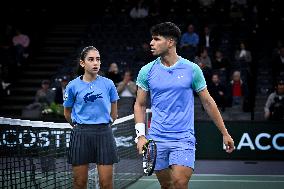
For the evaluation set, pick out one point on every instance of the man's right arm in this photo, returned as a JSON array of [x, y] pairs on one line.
[[139, 116], [140, 106]]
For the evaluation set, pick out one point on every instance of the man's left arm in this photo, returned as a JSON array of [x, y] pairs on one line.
[[212, 110]]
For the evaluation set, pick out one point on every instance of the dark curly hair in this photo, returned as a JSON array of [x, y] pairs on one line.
[[166, 29]]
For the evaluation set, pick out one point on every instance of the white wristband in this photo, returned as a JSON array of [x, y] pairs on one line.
[[140, 130]]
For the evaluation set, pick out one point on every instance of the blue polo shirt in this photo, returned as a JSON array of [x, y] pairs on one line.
[[171, 91], [90, 101]]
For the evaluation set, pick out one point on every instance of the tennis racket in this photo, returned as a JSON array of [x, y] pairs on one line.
[[149, 157]]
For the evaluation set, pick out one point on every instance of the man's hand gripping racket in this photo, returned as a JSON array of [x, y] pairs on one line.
[[149, 157], [146, 147]]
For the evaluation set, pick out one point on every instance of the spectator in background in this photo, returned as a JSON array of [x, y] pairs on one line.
[[207, 40], [189, 42], [140, 10], [44, 95], [274, 106], [59, 91], [206, 3], [43, 98], [204, 62], [243, 60], [222, 66], [218, 91], [243, 56], [113, 73], [21, 43], [127, 92], [127, 87], [238, 89], [189, 38]]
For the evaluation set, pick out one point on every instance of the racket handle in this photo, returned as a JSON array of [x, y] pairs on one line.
[[145, 167]]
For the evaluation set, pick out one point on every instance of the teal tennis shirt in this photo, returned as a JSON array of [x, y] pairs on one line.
[[172, 99]]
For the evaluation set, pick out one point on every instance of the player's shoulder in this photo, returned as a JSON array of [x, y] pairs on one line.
[[187, 62], [105, 79], [148, 66], [74, 81], [193, 66]]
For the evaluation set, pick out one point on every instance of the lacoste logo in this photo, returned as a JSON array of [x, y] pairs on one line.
[[92, 97]]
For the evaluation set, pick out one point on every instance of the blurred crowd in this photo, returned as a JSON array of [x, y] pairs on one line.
[[227, 38]]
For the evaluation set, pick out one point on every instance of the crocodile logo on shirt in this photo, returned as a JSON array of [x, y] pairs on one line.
[[92, 97]]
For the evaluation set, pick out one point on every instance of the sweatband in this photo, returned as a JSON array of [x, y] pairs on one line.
[[140, 130]]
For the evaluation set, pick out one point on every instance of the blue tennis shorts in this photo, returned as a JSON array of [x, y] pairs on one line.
[[174, 153]]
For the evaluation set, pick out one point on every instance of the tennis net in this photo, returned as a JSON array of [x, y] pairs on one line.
[[33, 155]]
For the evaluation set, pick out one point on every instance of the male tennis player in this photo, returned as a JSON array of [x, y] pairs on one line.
[[171, 81]]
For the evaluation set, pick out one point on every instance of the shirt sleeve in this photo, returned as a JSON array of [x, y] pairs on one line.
[[69, 97], [142, 79], [113, 93], [198, 83]]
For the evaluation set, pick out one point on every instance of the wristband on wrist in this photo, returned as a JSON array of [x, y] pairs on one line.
[[140, 130]]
